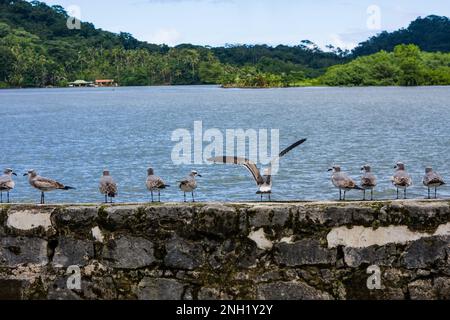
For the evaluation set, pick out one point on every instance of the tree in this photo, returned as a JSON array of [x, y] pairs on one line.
[[6, 63]]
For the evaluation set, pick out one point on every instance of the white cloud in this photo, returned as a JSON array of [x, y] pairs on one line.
[[169, 36], [338, 42]]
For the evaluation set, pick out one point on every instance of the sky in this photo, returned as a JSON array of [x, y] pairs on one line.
[[342, 23]]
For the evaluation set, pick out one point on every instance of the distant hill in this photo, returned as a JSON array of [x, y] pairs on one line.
[[40, 50], [37, 50], [431, 34]]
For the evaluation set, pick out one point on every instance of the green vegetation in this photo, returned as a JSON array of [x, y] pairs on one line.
[[405, 66], [38, 50], [431, 34]]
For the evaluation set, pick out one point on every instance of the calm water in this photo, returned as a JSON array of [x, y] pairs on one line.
[[73, 134]]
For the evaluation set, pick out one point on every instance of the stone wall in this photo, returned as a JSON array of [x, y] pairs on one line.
[[226, 251]]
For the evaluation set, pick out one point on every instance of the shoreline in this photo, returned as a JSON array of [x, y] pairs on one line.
[[220, 87]]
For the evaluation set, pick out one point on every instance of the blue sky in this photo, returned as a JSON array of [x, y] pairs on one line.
[[217, 22]]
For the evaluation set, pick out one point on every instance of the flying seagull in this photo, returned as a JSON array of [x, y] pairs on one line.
[[44, 184], [7, 183], [155, 184], [108, 186], [263, 182], [342, 181], [368, 181], [401, 179], [432, 180], [189, 184]]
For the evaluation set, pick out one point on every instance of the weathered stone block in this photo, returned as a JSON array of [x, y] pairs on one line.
[[160, 289], [374, 255], [129, 253], [421, 290], [15, 251], [426, 252], [442, 288], [218, 220], [212, 294], [183, 255], [71, 251], [304, 252], [294, 290], [12, 289], [79, 219]]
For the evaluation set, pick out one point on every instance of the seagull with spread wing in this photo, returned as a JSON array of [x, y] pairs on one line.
[[264, 182]]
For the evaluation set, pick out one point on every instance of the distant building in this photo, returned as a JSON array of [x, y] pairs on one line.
[[105, 83], [81, 83]]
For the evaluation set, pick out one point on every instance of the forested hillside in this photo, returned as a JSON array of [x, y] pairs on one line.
[[407, 65], [431, 34], [38, 50]]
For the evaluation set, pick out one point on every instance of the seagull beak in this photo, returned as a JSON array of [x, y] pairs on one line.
[[200, 176], [14, 174], [329, 170], [25, 174]]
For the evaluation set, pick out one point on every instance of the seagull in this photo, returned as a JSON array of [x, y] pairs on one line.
[[7, 183], [432, 180], [342, 181], [107, 186], [189, 184], [155, 183], [368, 181], [44, 184], [401, 179], [264, 182]]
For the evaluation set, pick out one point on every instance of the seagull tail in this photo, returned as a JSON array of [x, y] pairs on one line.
[[358, 188], [69, 188]]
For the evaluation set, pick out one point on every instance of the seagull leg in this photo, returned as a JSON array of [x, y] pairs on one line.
[[340, 195], [345, 194], [7, 195], [435, 193], [270, 198], [152, 196], [429, 193], [42, 198], [185, 197], [364, 198], [193, 197], [398, 196], [405, 194], [1, 197], [159, 196], [106, 198], [371, 195]]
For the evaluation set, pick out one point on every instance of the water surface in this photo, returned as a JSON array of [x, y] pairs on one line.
[[73, 134]]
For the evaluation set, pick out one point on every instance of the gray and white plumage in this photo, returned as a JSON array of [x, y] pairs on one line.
[[107, 185], [432, 179], [263, 182], [342, 181], [368, 180], [189, 184], [7, 183], [44, 184], [401, 179], [154, 183]]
